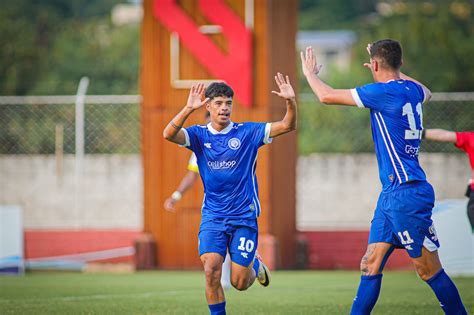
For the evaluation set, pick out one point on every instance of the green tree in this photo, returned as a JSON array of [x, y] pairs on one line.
[[108, 55]]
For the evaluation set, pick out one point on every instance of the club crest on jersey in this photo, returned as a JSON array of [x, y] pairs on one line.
[[234, 144]]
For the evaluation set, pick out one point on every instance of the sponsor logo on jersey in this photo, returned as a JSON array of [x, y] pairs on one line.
[[220, 165], [245, 255], [234, 144], [411, 150], [207, 145], [390, 177]]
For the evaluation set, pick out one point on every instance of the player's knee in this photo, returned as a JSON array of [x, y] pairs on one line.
[[369, 266], [239, 283], [213, 274], [425, 272]]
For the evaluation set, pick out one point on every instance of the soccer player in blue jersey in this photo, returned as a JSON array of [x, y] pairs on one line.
[[227, 158], [403, 214]]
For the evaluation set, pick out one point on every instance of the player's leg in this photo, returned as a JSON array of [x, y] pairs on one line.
[[242, 277], [415, 230], [371, 267], [470, 206], [212, 263], [428, 267], [246, 265], [378, 251], [212, 250]]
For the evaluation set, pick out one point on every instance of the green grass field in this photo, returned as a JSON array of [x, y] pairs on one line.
[[166, 292]]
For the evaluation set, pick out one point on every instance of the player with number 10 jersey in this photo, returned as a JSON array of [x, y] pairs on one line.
[[226, 154]]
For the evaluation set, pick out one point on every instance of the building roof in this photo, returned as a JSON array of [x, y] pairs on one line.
[[325, 39]]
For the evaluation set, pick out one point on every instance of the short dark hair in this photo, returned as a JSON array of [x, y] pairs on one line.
[[216, 89], [389, 51]]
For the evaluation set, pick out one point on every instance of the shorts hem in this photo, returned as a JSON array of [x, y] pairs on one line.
[[212, 252]]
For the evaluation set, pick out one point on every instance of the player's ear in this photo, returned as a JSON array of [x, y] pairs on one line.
[[375, 65]]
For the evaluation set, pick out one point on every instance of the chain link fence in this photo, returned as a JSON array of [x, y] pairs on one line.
[[44, 125], [335, 130], [97, 186]]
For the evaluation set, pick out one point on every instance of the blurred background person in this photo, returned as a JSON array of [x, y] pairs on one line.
[[464, 141]]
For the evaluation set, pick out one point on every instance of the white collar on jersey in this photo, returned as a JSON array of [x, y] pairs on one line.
[[223, 131]]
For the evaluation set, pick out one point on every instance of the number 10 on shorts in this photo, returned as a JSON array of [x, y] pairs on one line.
[[246, 245]]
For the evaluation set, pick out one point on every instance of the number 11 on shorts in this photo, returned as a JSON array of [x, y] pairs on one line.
[[405, 238]]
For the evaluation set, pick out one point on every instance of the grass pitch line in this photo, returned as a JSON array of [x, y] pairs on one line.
[[98, 296]]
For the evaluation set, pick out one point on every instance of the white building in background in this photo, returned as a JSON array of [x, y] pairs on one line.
[[332, 48], [127, 13]]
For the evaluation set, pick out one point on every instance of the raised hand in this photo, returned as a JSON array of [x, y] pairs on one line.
[[368, 65], [286, 90], [309, 63], [196, 94]]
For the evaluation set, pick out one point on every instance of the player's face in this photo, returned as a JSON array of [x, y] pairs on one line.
[[220, 108]]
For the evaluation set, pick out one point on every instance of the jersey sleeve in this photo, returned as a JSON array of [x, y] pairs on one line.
[[371, 96], [260, 133], [422, 92], [465, 140], [191, 136], [192, 164]]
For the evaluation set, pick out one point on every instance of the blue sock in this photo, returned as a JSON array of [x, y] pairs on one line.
[[447, 294], [256, 265], [217, 309], [367, 295]]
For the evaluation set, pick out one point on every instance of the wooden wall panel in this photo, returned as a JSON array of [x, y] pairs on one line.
[[165, 163]]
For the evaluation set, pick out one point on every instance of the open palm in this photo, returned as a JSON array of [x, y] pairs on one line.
[[196, 94], [286, 90], [309, 63]]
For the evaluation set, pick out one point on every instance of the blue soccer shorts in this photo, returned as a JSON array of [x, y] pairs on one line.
[[403, 218], [239, 236]]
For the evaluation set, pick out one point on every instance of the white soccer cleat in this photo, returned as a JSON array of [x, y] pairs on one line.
[[263, 276]]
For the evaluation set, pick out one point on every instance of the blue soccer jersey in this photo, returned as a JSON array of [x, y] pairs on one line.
[[227, 163], [396, 113]]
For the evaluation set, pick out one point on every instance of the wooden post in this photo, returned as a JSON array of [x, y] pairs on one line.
[[263, 33]]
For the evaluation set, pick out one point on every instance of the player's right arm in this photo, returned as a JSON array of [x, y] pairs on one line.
[[325, 93], [173, 131], [440, 135]]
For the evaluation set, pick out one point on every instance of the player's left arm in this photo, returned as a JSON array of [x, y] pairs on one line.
[[426, 91], [325, 93], [288, 123]]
